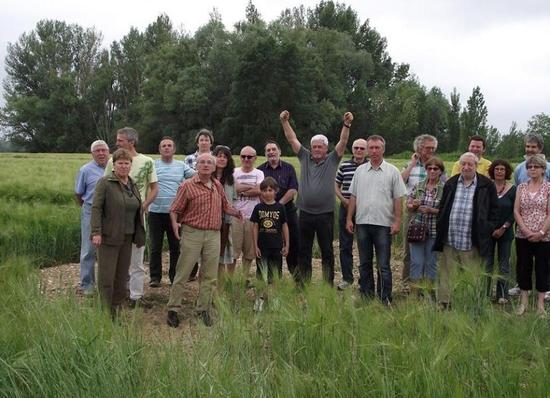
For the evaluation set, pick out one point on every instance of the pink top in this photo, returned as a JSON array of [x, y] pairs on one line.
[[534, 209]]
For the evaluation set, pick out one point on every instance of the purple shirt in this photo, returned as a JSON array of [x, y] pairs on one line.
[[285, 175]]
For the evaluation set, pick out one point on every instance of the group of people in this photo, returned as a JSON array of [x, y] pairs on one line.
[[213, 212]]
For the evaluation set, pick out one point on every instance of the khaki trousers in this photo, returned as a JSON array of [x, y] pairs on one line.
[[451, 261], [196, 244]]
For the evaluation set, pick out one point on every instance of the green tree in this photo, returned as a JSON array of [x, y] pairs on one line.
[[511, 144], [454, 134], [473, 118]]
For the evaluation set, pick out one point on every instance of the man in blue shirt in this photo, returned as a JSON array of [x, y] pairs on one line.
[[86, 180], [170, 173], [533, 146]]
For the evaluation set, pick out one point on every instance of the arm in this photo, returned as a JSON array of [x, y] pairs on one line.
[[255, 229], [350, 213], [290, 135], [338, 190], [153, 192], [97, 213], [407, 172], [340, 147], [286, 239], [292, 188], [78, 199], [396, 225], [250, 191], [517, 215], [288, 196], [175, 224]]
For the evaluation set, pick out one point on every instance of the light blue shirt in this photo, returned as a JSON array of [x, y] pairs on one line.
[[170, 176], [520, 174], [86, 180]]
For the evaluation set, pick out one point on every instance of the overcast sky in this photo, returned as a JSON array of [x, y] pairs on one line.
[[501, 45]]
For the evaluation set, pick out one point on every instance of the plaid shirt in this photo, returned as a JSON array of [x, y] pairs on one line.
[[418, 173], [460, 219], [430, 198]]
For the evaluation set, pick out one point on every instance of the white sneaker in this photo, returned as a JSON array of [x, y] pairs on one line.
[[343, 285], [547, 296], [259, 305], [515, 291]]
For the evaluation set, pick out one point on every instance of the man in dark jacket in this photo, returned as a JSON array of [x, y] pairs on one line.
[[466, 219]]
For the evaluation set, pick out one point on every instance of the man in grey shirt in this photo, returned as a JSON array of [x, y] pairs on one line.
[[316, 196]]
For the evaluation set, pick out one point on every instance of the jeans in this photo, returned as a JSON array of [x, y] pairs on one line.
[[504, 249], [323, 226], [87, 250], [346, 246], [423, 262], [375, 237], [159, 223]]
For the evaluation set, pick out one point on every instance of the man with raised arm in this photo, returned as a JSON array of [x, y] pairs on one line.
[[316, 196]]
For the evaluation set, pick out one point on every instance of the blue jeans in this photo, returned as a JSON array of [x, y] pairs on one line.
[[371, 238], [423, 260], [346, 246], [87, 250], [504, 249]]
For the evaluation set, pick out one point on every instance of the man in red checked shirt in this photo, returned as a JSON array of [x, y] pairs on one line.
[[197, 210]]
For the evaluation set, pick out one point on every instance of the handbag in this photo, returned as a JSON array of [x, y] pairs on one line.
[[417, 232]]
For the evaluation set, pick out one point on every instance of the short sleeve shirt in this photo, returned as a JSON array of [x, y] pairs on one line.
[[316, 191], [520, 174], [86, 180], [270, 219], [345, 175], [170, 176], [252, 178], [285, 175], [482, 167], [375, 190], [142, 173]]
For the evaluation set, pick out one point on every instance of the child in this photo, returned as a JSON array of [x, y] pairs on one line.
[[270, 233]]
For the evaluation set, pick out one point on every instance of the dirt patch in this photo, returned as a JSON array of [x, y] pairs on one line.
[[64, 279]]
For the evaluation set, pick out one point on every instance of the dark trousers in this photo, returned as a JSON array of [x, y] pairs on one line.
[[271, 263], [294, 242], [371, 239], [503, 249], [346, 246], [321, 225], [159, 223], [527, 251], [113, 263]]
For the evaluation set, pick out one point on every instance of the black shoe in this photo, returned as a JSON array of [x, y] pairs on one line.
[[206, 319], [154, 283], [172, 319]]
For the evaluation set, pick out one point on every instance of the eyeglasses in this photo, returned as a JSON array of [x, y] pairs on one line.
[[534, 166], [247, 157], [359, 148], [432, 168]]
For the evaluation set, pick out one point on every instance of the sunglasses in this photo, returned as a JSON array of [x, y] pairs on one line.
[[432, 168], [533, 166], [247, 157], [359, 148]]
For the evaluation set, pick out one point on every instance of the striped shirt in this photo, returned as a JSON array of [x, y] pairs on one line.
[[200, 206], [170, 176], [460, 219], [345, 175]]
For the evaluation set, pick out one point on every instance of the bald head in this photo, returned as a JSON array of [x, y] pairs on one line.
[[359, 150], [248, 156]]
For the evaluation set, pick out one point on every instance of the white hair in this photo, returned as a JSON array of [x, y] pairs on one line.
[[319, 137], [469, 155], [97, 143]]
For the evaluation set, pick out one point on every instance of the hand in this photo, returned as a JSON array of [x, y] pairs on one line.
[[96, 240], [258, 252], [424, 209], [284, 116], [395, 227], [497, 233], [145, 207], [349, 226], [348, 117], [536, 237], [240, 216], [176, 228], [284, 251], [414, 159]]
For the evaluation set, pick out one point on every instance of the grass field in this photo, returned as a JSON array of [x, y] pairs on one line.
[[315, 342]]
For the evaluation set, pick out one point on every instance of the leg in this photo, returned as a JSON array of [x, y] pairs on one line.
[[173, 245], [190, 250], [417, 260], [542, 266], [107, 258], [137, 273], [87, 251], [430, 270], [325, 237], [156, 237], [249, 253], [346, 246], [294, 243], [307, 231], [209, 269], [489, 268], [121, 272], [382, 245], [406, 253], [445, 270], [504, 249], [365, 245], [524, 265], [237, 231]]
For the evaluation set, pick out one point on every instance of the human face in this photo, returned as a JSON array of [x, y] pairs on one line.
[[100, 154], [359, 150], [535, 171], [476, 147], [206, 165], [221, 160], [122, 168], [499, 172], [122, 142], [375, 149], [433, 172], [272, 153], [318, 150], [167, 149], [426, 151], [531, 148], [204, 144], [247, 159], [268, 195], [468, 167]]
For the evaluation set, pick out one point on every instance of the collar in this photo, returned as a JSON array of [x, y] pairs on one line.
[[474, 181], [381, 166]]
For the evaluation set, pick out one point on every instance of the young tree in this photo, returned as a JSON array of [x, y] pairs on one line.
[[474, 118]]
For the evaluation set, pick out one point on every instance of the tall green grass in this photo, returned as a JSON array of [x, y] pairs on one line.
[[316, 342]]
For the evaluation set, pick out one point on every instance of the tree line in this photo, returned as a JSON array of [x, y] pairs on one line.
[[63, 89]]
